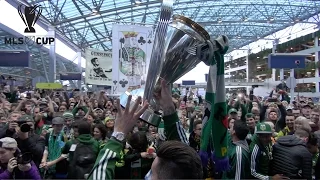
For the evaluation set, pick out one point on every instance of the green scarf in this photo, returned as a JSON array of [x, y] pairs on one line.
[[215, 122], [54, 147]]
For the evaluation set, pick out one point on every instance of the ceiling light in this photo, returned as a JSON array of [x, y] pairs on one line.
[[137, 1], [94, 10], [258, 67]]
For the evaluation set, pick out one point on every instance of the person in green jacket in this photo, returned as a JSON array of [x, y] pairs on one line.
[[239, 153], [83, 147], [261, 151]]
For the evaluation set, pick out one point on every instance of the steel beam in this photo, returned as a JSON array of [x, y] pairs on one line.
[[44, 66], [80, 68], [114, 11], [52, 58], [105, 11]]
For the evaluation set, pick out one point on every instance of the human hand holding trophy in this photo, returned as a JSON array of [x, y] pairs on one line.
[[179, 46]]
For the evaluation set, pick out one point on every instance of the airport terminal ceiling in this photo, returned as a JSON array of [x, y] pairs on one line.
[[88, 23]]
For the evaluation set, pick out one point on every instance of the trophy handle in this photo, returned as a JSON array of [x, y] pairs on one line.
[[21, 15], [39, 13]]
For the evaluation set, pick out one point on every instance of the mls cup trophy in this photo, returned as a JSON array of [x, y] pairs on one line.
[[178, 47], [30, 16]]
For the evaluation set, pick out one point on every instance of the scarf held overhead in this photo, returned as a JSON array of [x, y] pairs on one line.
[[213, 145]]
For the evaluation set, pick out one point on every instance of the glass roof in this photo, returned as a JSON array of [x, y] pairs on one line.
[[89, 23]]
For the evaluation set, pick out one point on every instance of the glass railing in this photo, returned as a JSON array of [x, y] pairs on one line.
[[243, 80]]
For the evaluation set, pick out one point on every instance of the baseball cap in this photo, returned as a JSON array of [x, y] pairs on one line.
[[8, 142], [109, 118], [58, 120], [26, 118], [68, 115], [263, 128], [232, 110]]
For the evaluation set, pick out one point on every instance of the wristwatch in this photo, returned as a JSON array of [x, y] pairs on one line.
[[118, 136]]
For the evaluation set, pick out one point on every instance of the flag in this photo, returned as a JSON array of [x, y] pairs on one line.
[[214, 142]]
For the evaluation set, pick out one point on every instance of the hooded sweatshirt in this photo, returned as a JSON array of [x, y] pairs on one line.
[[86, 139], [291, 158], [239, 158]]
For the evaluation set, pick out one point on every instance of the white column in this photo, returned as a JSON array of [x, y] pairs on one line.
[[52, 57], [247, 69], [281, 74], [316, 59], [291, 89], [80, 68], [274, 48]]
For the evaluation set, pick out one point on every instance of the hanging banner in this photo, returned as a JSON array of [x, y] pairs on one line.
[[131, 49], [98, 67]]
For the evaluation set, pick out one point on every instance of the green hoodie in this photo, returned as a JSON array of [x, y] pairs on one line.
[[86, 139]]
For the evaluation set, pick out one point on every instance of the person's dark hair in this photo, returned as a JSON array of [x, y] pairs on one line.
[[84, 127], [241, 129], [139, 141], [75, 125], [93, 61], [289, 114], [273, 110], [250, 115], [313, 140], [195, 123], [103, 130], [177, 160]]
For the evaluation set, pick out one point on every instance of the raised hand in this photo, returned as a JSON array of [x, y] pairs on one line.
[[127, 118]]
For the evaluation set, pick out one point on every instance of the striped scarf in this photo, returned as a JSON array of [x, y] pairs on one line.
[[55, 146], [213, 146]]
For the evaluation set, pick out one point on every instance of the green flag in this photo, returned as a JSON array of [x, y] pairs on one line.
[[215, 123]]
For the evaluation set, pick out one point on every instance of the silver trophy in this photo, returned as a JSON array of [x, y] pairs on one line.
[[179, 46]]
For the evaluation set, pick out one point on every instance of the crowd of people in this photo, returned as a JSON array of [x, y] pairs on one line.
[[75, 135]]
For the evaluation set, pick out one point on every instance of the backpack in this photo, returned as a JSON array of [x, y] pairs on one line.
[[82, 160]]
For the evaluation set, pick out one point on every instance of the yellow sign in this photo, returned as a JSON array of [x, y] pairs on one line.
[[49, 86]]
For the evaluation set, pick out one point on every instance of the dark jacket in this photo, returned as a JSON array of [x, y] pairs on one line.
[[34, 144], [316, 169], [194, 142], [33, 173], [291, 158]]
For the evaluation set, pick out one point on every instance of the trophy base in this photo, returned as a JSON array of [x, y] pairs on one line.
[[150, 116]]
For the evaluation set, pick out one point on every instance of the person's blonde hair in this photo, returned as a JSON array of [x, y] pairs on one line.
[[305, 123]]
